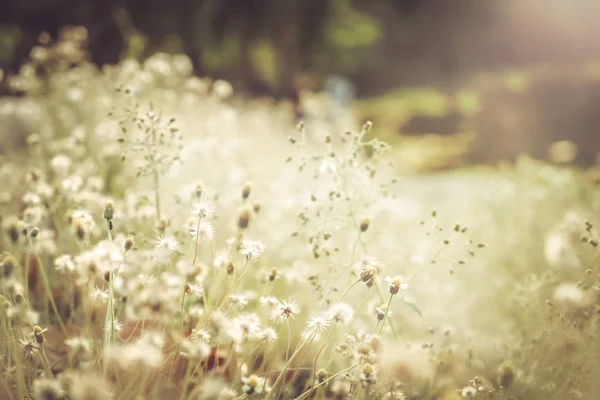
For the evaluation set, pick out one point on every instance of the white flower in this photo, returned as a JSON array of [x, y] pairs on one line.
[[203, 208], [239, 301], [318, 323], [268, 334], [253, 384], [167, 243], [201, 334], [341, 312], [287, 308], [204, 230], [468, 392], [196, 290], [99, 294], [270, 301], [396, 283], [251, 250], [64, 263]]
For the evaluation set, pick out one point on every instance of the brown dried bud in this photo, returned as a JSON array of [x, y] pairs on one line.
[[246, 190], [368, 273], [364, 225], [230, 268], [273, 274], [129, 242], [244, 218]]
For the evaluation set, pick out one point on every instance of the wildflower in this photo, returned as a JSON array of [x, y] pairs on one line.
[[268, 335], [99, 294], [203, 231], [203, 208], [367, 376], [227, 394], [251, 250], [82, 223], [318, 323], [341, 312], [79, 346], [195, 290], [396, 283], [287, 309], [368, 273], [270, 301], [381, 312], [201, 334], [253, 384], [44, 389], [30, 347], [64, 263], [166, 242], [238, 301], [468, 392]]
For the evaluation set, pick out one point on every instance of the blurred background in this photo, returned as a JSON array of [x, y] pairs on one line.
[[481, 81]]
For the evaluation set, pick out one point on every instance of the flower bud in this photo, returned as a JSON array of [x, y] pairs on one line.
[[364, 225], [244, 218], [246, 190], [109, 210]]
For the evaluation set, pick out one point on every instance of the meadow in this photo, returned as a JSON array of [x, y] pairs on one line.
[[163, 238]]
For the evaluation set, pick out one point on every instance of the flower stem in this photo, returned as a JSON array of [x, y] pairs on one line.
[[348, 288], [49, 294], [387, 311], [308, 392], [289, 361]]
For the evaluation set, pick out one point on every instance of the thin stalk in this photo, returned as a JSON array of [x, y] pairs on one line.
[[348, 288], [49, 295], [197, 239], [308, 392], [317, 357], [26, 275], [45, 362], [387, 311], [289, 361]]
